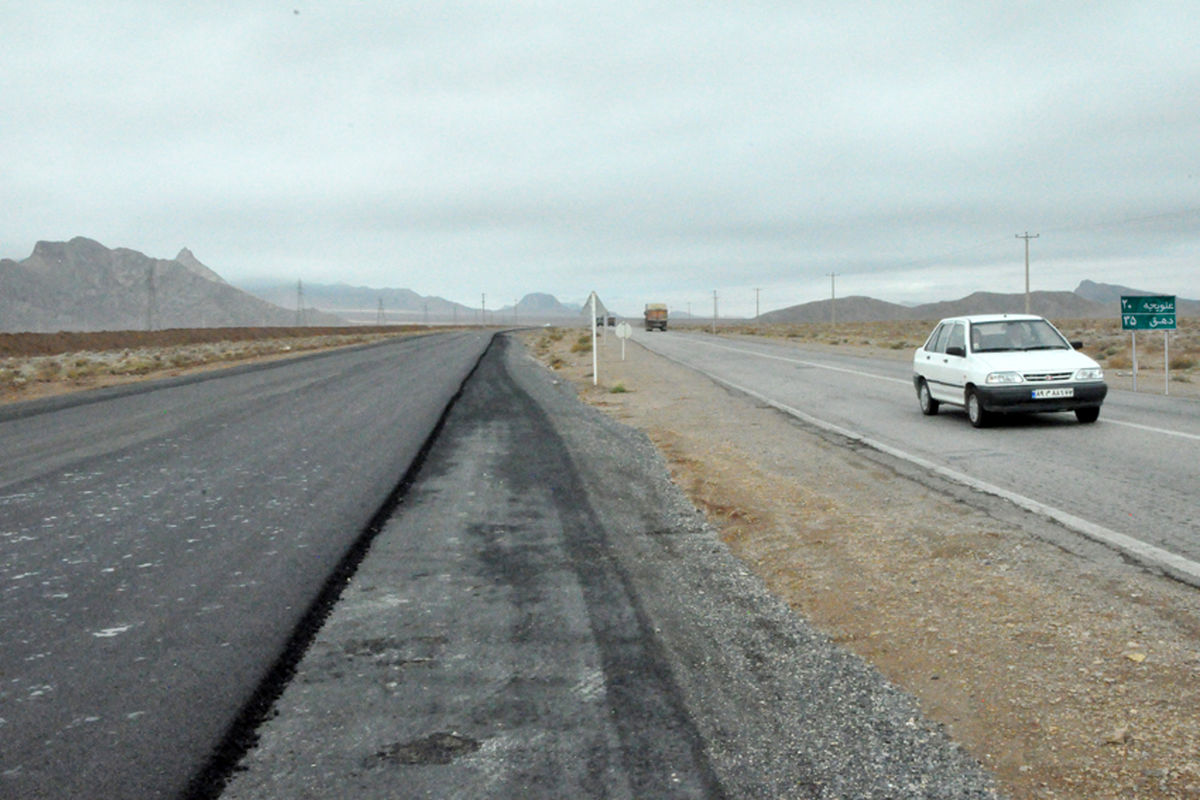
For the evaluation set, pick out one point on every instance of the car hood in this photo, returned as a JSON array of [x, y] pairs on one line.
[[1035, 361]]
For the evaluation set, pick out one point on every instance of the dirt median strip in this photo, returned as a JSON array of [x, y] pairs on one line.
[[1065, 671], [39, 365]]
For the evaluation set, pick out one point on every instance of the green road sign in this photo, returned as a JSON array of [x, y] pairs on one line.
[[1148, 312]]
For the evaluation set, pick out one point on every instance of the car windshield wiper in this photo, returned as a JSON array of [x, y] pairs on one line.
[[1045, 347]]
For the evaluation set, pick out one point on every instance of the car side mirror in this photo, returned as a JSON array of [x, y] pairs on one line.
[[956, 350], [1077, 345]]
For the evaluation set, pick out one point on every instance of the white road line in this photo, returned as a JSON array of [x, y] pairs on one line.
[[816, 364], [1163, 431], [1175, 565]]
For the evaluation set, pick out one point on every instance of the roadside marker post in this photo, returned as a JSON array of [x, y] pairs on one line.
[[1149, 313], [624, 331], [595, 305]]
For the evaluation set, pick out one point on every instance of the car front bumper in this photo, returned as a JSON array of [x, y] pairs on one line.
[[1019, 399]]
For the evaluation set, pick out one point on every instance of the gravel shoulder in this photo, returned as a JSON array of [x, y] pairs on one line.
[[1064, 670]]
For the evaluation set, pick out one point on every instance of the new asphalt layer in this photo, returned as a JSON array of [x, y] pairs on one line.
[[545, 615]]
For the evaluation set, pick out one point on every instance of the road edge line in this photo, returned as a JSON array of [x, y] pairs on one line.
[[1147, 555]]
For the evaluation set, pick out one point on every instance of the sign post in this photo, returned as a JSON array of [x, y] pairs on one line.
[[1149, 313], [624, 331], [594, 307]]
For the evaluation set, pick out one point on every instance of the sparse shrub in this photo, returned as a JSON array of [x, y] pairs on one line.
[[1119, 362], [82, 369], [134, 365], [47, 370], [901, 345], [618, 388], [1182, 362], [582, 345]]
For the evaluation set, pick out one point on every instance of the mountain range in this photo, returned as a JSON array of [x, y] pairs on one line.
[[365, 304], [82, 285], [1090, 300]]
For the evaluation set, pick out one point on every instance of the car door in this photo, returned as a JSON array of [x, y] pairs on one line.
[[943, 363]]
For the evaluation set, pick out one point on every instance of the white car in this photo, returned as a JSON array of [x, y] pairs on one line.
[[1005, 363]]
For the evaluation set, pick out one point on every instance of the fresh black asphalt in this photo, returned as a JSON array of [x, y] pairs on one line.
[[159, 545], [547, 616]]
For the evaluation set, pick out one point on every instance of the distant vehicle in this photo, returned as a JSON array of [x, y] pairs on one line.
[[656, 316], [1005, 364], [612, 322]]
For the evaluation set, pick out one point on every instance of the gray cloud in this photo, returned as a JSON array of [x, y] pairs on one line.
[[651, 151]]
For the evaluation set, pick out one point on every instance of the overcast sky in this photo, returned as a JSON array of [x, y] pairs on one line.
[[653, 151]]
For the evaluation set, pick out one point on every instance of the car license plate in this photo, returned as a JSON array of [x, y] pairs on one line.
[[1046, 394]]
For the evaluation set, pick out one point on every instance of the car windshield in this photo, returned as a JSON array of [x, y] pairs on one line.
[[1023, 334]]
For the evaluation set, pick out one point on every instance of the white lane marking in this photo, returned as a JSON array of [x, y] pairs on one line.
[[818, 365], [1177, 566], [1163, 431]]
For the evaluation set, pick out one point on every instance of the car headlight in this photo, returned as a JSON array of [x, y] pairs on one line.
[[1004, 377], [1089, 374]]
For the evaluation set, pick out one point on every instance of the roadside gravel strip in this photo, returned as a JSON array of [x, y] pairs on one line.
[[547, 615]]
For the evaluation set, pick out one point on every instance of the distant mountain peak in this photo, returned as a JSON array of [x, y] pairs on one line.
[[193, 265]]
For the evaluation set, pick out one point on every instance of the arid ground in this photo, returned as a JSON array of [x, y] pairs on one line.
[[1064, 670]]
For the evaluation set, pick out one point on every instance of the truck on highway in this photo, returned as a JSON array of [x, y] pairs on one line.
[[656, 316]]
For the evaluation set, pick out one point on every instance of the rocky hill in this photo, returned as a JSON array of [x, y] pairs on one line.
[[81, 285]]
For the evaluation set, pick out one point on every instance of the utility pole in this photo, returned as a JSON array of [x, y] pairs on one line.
[[756, 293], [714, 312], [299, 303], [483, 309], [379, 313], [832, 299], [1027, 236]]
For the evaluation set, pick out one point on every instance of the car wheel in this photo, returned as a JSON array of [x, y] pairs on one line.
[[929, 406], [1090, 414], [975, 411]]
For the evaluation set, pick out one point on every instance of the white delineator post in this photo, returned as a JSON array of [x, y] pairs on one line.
[[595, 353]]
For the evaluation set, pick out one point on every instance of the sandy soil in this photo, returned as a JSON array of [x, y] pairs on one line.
[[1064, 670]]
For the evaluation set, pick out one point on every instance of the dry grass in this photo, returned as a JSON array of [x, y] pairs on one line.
[[27, 377]]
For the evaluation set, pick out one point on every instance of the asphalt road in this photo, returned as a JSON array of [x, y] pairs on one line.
[[158, 545], [1130, 479], [547, 616]]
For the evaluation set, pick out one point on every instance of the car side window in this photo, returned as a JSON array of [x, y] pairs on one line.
[[937, 340], [957, 338]]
